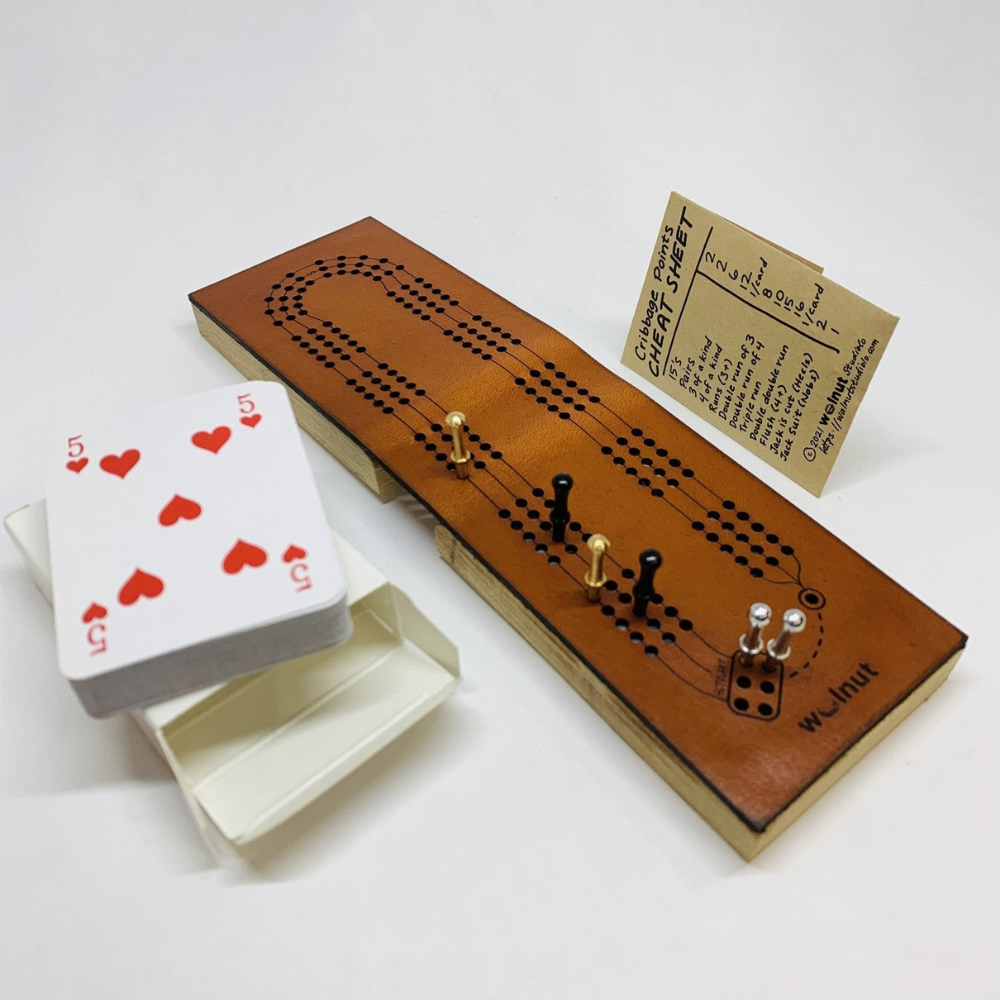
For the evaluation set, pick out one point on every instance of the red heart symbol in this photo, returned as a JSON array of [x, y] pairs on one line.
[[243, 554], [251, 421], [120, 465], [140, 584], [293, 552], [211, 440], [179, 507], [78, 466], [94, 611]]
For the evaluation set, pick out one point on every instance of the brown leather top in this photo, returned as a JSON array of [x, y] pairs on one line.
[[385, 339]]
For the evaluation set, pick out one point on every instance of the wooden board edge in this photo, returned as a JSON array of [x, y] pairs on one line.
[[315, 423], [686, 782], [850, 757]]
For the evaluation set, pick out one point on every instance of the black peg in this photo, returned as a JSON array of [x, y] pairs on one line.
[[562, 483], [649, 562]]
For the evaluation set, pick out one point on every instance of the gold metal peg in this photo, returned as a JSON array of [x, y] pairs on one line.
[[594, 578], [459, 453]]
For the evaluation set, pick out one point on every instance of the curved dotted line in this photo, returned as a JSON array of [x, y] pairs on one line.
[[819, 645]]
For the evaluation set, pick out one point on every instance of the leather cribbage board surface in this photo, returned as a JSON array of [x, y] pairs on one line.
[[382, 339]]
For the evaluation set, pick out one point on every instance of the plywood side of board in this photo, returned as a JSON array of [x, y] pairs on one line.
[[347, 451]]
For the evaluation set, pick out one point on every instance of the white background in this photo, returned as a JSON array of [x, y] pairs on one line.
[[511, 845]]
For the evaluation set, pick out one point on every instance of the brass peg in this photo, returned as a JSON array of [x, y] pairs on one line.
[[594, 578], [459, 453], [793, 621]]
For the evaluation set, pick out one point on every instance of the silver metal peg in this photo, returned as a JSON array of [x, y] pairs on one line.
[[793, 622], [752, 641]]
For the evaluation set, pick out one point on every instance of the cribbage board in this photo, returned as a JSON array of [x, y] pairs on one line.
[[377, 340]]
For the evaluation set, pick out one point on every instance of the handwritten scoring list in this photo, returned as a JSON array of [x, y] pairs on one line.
[[756, 340]]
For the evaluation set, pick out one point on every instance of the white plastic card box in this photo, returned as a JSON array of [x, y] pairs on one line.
[[252, 752]]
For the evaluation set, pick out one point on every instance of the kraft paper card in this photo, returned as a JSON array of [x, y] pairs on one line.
[[756, 340]]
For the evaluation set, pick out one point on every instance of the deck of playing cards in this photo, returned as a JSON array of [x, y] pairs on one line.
[[189, 546]]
